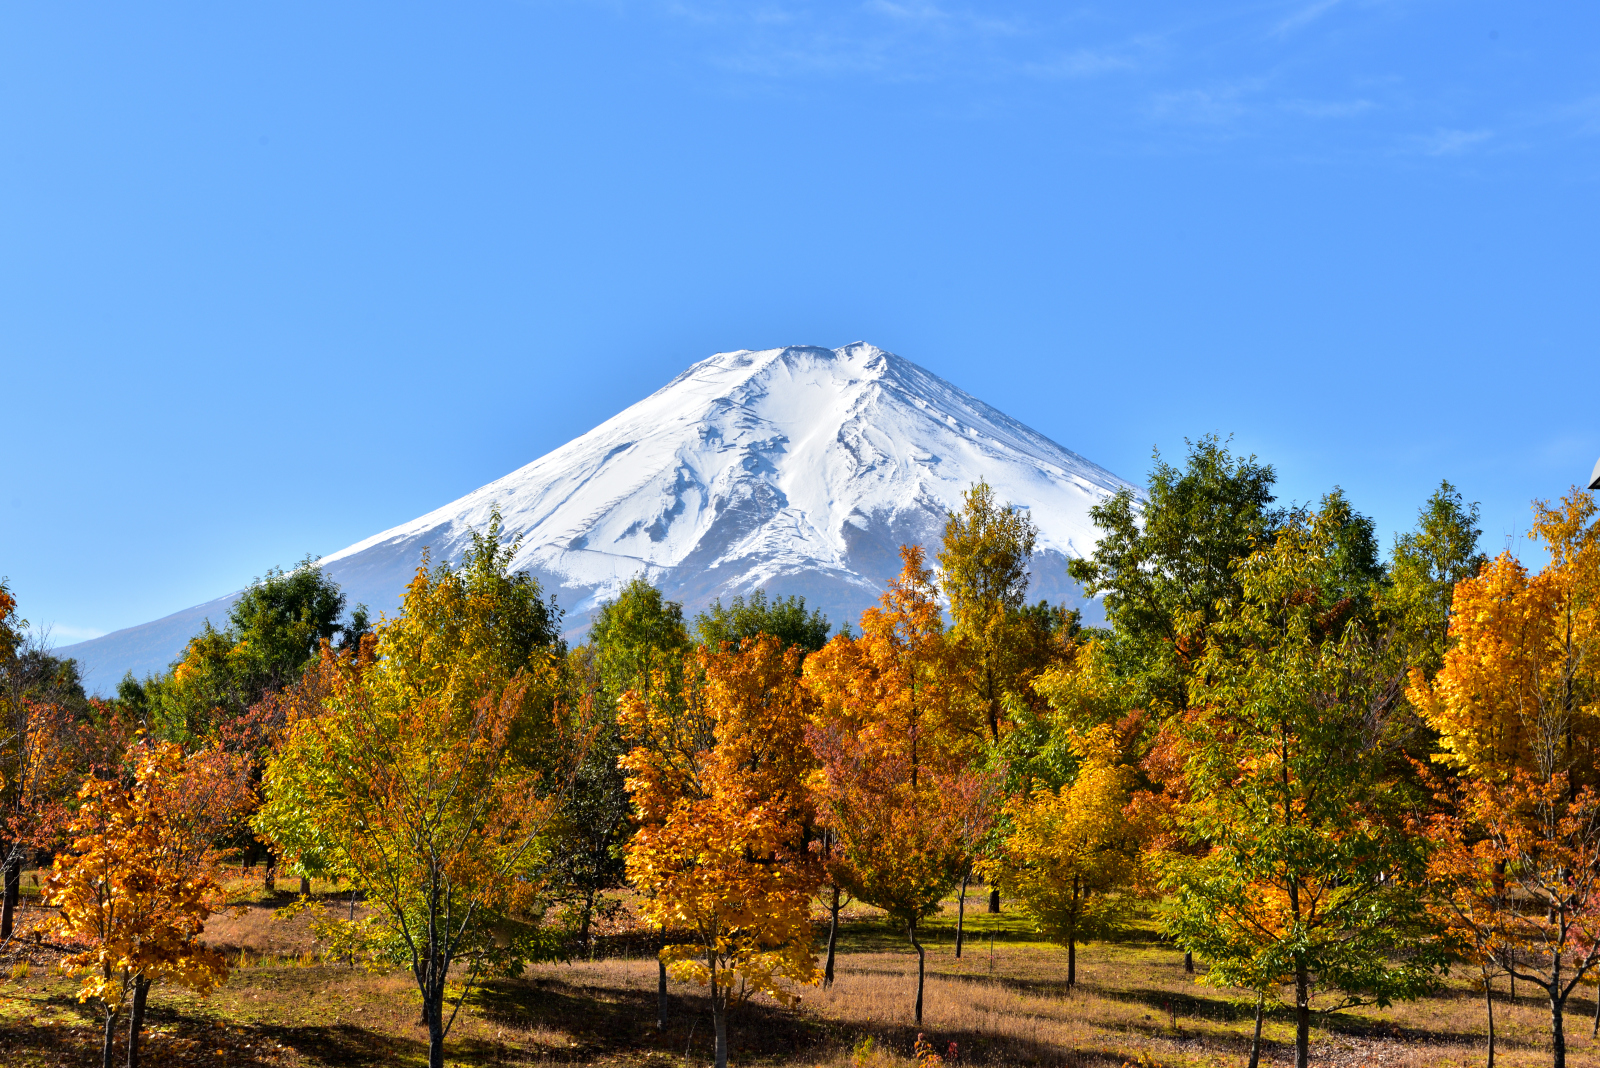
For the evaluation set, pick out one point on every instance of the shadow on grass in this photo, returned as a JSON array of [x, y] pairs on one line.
[[623, 1024], [1165, 1006], [72, 1033], [343, 1044]]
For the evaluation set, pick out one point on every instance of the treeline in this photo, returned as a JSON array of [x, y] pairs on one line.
[[1334, 776]]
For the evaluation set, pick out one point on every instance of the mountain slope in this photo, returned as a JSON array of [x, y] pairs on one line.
[[798, 470]]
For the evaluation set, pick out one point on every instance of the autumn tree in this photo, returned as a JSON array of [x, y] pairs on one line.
[[718, 778], [1290, 765], [898, 827], [1083, 691], [41, 705], [39, 766], [1517, 709], [983, 570], [137, 884], [13, 628], [894, 741], [901, 677], [1515, 877], [786, 619], [1071, 854], [257, 736], [434, 768]]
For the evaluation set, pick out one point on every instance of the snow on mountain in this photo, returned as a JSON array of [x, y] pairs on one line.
[[796, 470]]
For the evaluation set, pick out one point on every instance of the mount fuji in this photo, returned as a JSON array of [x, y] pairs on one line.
[[798, 470]]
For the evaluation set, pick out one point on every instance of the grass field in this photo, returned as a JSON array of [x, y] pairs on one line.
[[1004, 1002]]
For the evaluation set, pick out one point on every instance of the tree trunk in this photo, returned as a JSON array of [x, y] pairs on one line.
[[13, 894], [270, 881], [833, 938], [922, 958], [961, 909], [434, 1008], [1558, 1034], [107, 1049], [661, 985], [719, 1013], [1255, 1043], [994, 900], [1072, 937], [305, 886], [1188, 962], [719, 1020], [1302, 1017], [1488, 1004], [583, 926], [141, 992]]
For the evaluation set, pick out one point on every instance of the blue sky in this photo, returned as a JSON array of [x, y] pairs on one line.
[[278, 276]]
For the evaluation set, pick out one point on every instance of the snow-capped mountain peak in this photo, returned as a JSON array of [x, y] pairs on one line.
[[798, 470], [753, 468]]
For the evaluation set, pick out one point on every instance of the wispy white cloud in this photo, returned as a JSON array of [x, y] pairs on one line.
[[897, 40], [1083, 63], [1213, 106], [909, 12], [1304, 16], [1452, 142], [1583, 115], [1271, 70], [1328, 109], [66, 633]]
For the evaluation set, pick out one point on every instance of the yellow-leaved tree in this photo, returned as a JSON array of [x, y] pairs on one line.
[[1072, 853], [430, 771], [984, 572], [717, 776], [137, 884]]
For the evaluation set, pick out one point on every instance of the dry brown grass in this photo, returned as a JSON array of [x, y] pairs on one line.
[[1133, 1006]]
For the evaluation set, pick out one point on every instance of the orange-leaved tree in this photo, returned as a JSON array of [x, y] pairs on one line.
[[38, 756], [137, 884], [718, 779], [895, 783], [431, 771], [39, 769], [902, 678], [1517, 708]]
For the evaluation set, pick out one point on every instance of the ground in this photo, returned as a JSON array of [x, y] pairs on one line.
[[1004, 1001]]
